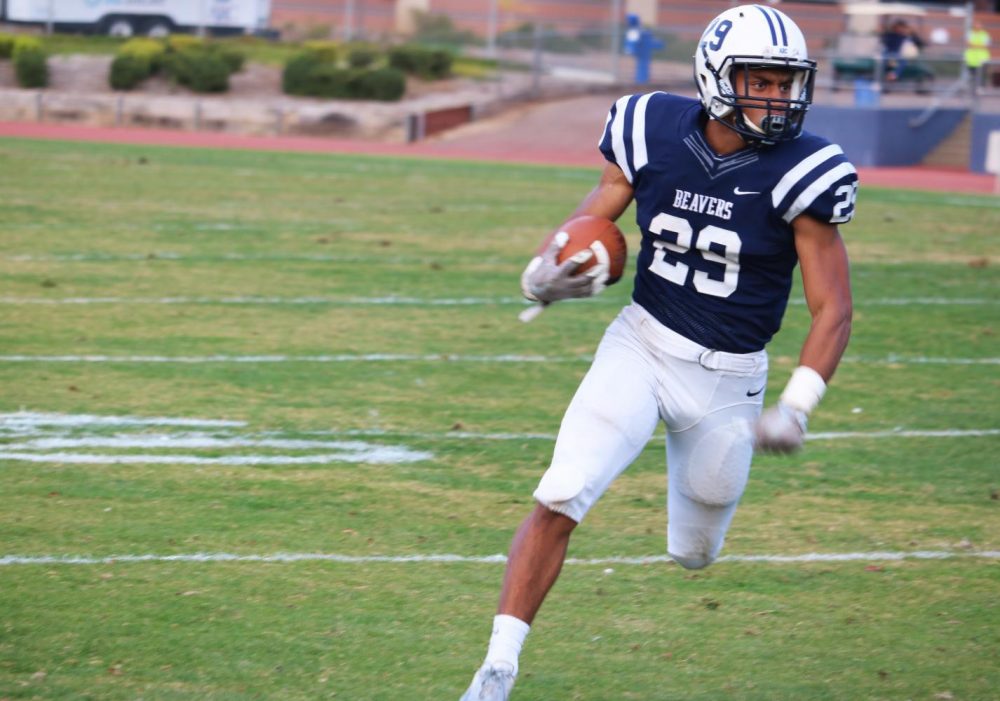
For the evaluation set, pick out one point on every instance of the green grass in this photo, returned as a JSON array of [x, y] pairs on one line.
[[230, 235]]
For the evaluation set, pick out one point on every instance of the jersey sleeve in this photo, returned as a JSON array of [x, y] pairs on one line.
[[623, 141], [823, 185]]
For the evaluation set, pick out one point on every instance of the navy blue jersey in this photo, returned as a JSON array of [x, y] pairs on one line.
[[718, 250]]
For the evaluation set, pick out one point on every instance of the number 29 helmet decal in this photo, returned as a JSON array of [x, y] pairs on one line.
[[751, 37]]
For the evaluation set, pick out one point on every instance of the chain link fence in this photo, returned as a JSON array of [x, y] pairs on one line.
[[581, 42]]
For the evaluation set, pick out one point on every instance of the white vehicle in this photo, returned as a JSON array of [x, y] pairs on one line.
[[125, 18]]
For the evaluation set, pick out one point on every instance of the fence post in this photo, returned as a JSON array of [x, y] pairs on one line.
[[536, 64], [616, 37]]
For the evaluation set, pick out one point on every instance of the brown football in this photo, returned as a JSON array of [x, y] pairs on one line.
[[600, 235]]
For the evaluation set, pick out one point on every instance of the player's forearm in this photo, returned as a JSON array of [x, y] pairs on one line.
[[827, 339]]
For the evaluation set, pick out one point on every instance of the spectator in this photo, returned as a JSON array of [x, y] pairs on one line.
[[977, 53], [900, 43]]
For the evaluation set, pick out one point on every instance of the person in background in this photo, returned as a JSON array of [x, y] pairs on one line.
[[900, 43], [977, 53]]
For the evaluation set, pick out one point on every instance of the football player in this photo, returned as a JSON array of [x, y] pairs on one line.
[[731, 194]]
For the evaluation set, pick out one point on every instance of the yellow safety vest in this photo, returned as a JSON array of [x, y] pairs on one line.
[[976, 52]]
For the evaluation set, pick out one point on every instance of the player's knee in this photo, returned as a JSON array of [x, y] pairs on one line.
[[694, 547], [560, 483], [716, 471], [697, 561]]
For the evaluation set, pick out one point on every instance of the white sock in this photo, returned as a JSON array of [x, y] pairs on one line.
[[505, 643]]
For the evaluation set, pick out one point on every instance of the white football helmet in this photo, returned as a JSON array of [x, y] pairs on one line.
[[754, 36]]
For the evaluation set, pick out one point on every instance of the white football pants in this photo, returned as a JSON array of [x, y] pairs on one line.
[[644, 372]]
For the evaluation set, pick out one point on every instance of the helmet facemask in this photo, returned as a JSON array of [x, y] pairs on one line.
[[783, 117]]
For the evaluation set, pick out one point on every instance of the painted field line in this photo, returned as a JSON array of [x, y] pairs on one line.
[[821, 436], [358, 453], [9, 560], [401, 300], [30, 420], [170, 256], [891, 359], [347, 453], [272, 301]]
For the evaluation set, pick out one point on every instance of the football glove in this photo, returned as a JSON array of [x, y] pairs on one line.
[[780, 429], [545, 280]]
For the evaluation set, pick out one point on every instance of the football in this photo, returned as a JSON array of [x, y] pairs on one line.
[[603, 237]]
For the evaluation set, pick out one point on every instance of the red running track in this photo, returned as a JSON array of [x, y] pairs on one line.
[[912, 178]]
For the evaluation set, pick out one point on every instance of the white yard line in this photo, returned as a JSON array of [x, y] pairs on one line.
[[369, 454], [40, 431], [390, 300], [891, 359], [404, 300], [8, 560]]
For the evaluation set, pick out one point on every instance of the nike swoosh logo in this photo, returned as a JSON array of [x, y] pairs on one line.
[[738, 191], [754, 394]]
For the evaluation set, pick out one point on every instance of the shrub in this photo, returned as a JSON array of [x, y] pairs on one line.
[[199, 70], [6, 45], [362, 55], [305, 74], [429, 64], [128, 70], [440, 29], [327, 80], [296, 78], [200, 65], [328, 51], [182, 42], [149, 50], [229, 55], [30, 64], [385, 84]]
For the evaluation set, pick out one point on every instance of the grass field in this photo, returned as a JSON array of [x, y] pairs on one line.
[[213, 358]]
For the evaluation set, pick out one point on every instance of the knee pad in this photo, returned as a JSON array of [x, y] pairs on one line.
[[560, 483], [717, 468]]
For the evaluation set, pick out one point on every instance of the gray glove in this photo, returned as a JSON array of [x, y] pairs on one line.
[[780, 429], [546, 281]]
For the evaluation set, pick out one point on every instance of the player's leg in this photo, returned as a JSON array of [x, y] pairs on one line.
[[709, 464], [608, 423], [534, 562]]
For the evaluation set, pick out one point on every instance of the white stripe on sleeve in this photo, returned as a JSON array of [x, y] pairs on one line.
[[604, 131], [818, 187], [639, 155], [618, 137], [796, 174]]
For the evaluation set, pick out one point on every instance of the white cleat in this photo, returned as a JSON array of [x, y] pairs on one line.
[[491, 683]]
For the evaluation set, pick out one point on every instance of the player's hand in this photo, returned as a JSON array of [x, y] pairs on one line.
[[780, 429], [546, 280]]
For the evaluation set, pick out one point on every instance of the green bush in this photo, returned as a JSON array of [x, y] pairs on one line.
[[328, 51], [30, 63], [387, 84], [199, 70], [177, 43], [363, 55], [429, 64], [229, 55], [151, 51], [440, 29], [297, 75], [202, 66], [127, 71], [6, 45], [307, 75]]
